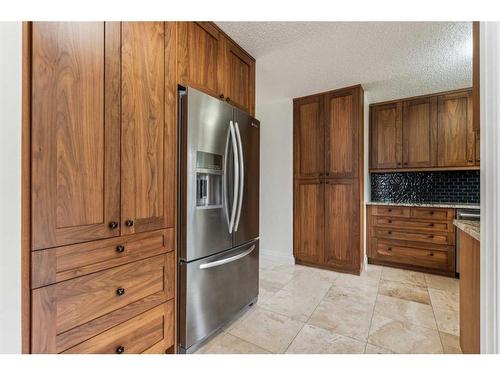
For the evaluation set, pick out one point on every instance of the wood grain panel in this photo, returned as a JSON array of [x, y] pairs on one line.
[[144, 138], [138, 335], [420, 133], [440, 239], [309, 138], [433, 213], [341, 135], [456, 138], [67, 262], [308, 213], [75, 132], [342, 225], [425, 226], [392, 211], [386, 136], [470, 282]]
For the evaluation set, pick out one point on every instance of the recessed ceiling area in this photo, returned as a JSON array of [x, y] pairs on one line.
[[390, 59]]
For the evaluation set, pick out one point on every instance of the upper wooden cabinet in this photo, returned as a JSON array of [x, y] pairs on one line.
[[103, 130], [211, 62], [385, 135], [428, 132]]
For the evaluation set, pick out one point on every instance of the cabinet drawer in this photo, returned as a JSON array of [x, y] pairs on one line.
[[425, 226], [67, 262], [391, 211], [71, 311], [150, 332], [414, 256], [440, 239], [433, 213]]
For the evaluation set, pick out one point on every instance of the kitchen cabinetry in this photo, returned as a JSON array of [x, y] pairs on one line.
[[103, 169], [210, 61], [328, 179], [417, 238], [432, 132]]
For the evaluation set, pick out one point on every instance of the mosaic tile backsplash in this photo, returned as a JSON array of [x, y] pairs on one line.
[[417, 187]]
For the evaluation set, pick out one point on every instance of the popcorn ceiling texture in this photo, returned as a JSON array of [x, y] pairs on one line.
[[428, 187], [390, 59]]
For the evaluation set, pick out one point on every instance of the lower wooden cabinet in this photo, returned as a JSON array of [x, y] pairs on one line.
[[416, 238]]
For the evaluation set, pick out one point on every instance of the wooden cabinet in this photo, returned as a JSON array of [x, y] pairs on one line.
[[328, 172], [386, 136], [103, 186], [431, 132], [418, 238], [456, 136], [210, 61]]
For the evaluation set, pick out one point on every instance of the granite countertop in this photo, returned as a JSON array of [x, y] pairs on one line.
[[426, 204], [472, 228]]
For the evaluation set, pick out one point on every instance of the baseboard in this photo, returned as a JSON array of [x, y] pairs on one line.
[[277, 256]]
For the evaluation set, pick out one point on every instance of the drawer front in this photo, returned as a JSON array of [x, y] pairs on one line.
[[415, 256], [67, 262], [68, 312], [440, 239], [425, 226], [432, 213], [391, 211], [151, 332]]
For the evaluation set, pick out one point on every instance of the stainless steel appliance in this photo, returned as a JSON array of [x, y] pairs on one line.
[[218, 216], [473, 214]]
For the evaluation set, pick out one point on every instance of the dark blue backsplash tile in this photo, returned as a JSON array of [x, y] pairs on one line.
[[415, 187]]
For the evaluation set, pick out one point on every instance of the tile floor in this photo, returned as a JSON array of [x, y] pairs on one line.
[[307, 310]]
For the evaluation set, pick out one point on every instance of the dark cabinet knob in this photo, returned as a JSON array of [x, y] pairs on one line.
[[389, 221], [405, 163], [431, 213], [221, 96], [389, 248], [120, 248], [470, 161], [431, 236], [120, 350], [129, 222], [431, 254], [120, 291], [431, 224], [227, 99], [113, 224], [389, 232]]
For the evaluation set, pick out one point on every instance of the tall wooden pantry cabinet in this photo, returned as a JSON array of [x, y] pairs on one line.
[[328, 180]]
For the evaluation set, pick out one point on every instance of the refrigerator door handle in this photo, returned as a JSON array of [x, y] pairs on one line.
[[227, 260], [242, 175], [224, 180], [236, 177]]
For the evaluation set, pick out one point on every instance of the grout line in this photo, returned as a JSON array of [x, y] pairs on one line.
[[373, 311], [434, 314]]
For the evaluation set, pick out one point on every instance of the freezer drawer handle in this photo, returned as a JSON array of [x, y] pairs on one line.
[[227, 260]]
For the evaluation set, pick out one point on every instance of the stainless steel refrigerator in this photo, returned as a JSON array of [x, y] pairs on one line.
[[218, 216]]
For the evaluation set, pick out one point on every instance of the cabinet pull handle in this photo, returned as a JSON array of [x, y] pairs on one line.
[[120, 291], [120, 248], [221, 96], [431, 213], [129, 222], [113, 224], [228, 100], [120, 350], [389, 221], [389, 210], [431, 254], [389, 232], [389, 248], [431, 224], [431, 236]]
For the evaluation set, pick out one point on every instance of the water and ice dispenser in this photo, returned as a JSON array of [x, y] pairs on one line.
[[209, 170]]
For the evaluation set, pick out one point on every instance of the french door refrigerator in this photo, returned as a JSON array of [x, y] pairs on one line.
[[218, 216]]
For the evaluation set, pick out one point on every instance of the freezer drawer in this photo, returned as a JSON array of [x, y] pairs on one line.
[[216, 288]]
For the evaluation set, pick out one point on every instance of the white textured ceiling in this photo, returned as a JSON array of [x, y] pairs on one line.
[[391, 59]]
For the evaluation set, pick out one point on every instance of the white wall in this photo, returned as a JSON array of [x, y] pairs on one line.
[[10, 187]]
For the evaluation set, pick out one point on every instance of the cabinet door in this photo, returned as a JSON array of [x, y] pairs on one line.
[[239, 77], [148, 123], [342, 225], [308, 221], [386, 138], [200, 57], [342, 133], [456, 138], [419, 132], [308, 137], [75, 132]]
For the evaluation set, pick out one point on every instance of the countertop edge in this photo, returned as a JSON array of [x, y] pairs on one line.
[[472, 228], [438, 205]]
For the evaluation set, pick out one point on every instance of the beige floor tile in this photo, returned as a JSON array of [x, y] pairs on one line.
[[410, 277], [311, 284], [447, 321], [295, 305], [451, 343], [373, 349], [362, 281], [444, 300], [267, 289], [279, 278], [442, 282], [344, 317], [316, 340], [225, 343], [403, 337], [409, 292], [268, 330], [407, 311], [227, 327], [361, 296]]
